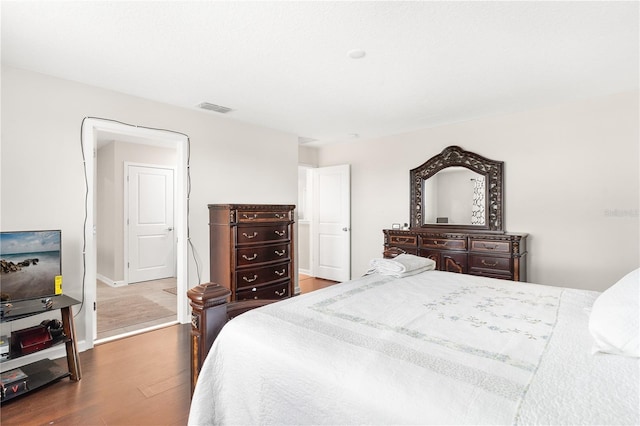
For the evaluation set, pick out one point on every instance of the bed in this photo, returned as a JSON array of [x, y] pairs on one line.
[[428, 348]]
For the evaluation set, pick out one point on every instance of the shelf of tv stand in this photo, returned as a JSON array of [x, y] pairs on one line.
[[46, 371], [27, 308], [40, 373]]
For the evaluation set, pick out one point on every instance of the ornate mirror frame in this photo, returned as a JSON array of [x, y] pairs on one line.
[[455, 156]]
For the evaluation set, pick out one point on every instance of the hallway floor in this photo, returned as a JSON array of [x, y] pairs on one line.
[[152, 305]]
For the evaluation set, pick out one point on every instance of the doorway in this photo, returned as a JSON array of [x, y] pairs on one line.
[[324, 222], [136, 286], [95, 132]]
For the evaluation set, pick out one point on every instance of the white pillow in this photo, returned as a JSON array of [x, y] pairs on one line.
[[614, 322]]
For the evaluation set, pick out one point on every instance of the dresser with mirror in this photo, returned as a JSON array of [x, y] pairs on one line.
[[456, 218]]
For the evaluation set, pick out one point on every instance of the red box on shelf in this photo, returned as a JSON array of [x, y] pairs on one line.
[[31, 339]]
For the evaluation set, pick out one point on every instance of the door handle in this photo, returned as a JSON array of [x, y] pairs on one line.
[[345, 229], [169, 229]]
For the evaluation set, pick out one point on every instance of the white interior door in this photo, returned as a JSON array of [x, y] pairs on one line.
[[151, 241], [331, 223]]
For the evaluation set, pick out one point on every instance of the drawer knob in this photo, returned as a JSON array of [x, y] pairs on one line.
[[280, 216], [485, 263], [490, 247], [250, 217], [244, 234], [436, 242], [254, 289], [250, 280], [279, 233], [280, 253], [284, 271], [255, 255], [280, 293]]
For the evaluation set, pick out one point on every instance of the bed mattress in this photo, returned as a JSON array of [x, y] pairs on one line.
[[433, 348]]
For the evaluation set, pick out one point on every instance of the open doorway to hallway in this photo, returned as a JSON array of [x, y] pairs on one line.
[[93, 131], [136, 284]]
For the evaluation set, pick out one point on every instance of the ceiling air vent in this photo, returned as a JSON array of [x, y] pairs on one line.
[[214, 107], [302, 140]]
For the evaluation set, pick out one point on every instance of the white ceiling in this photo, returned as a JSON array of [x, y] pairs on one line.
[[285, 65]]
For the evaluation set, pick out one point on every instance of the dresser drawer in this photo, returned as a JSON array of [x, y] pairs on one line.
[[276, 291], [495, 264], [403, 240], [262, 234], [252, 277], [444, 243], [490, 246], [265, 254], [248, 216]]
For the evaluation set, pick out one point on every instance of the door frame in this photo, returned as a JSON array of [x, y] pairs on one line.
[[125, 237], [92, 130]]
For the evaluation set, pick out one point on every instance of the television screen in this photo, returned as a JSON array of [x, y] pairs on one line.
[[31, 265]]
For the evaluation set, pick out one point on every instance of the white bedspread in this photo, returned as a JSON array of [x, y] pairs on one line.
[[433, 348]]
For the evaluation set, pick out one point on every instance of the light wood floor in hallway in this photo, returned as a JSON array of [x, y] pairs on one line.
[[138, 380], [135, 306]]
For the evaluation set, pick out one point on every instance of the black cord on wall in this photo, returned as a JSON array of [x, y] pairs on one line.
[[86, 199]]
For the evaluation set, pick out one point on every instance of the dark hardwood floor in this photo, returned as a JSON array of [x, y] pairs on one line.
[[308, 283], [138, 380]]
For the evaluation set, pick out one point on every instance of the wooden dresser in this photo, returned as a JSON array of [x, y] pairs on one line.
[[251, 250], [496, 255]]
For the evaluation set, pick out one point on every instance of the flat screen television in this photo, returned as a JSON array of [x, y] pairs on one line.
[[31, 264]]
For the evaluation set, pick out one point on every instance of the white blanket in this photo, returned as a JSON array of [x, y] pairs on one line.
[[434, 348], [401, 266]]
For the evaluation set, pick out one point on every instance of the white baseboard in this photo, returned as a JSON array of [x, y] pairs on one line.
[[305, 272], [110, 282]]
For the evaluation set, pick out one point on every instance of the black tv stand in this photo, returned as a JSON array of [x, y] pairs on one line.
[[46, 371]]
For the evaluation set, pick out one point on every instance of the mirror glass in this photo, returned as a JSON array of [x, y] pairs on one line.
[[455, 196]]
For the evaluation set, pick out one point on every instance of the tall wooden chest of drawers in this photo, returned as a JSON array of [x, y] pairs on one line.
[[497, 255], [252, 250]]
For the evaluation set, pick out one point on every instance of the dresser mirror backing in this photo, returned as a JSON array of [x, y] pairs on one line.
[[457, 189]]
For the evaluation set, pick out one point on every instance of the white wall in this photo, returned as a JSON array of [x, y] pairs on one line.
[[571, 182], [308, 155], [42, 176]]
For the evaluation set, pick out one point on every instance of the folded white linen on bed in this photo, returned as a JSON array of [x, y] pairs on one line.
[[433, 348], [401, 266]]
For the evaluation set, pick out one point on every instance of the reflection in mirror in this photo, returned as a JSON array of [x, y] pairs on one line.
[[456, 196]]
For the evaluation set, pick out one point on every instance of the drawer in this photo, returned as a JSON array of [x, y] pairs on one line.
[[258, 276], [491, 246], [444, 243], [496, 264], [403, 240], [261, 234], [264, 254], [276, 291], [249, 216]]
